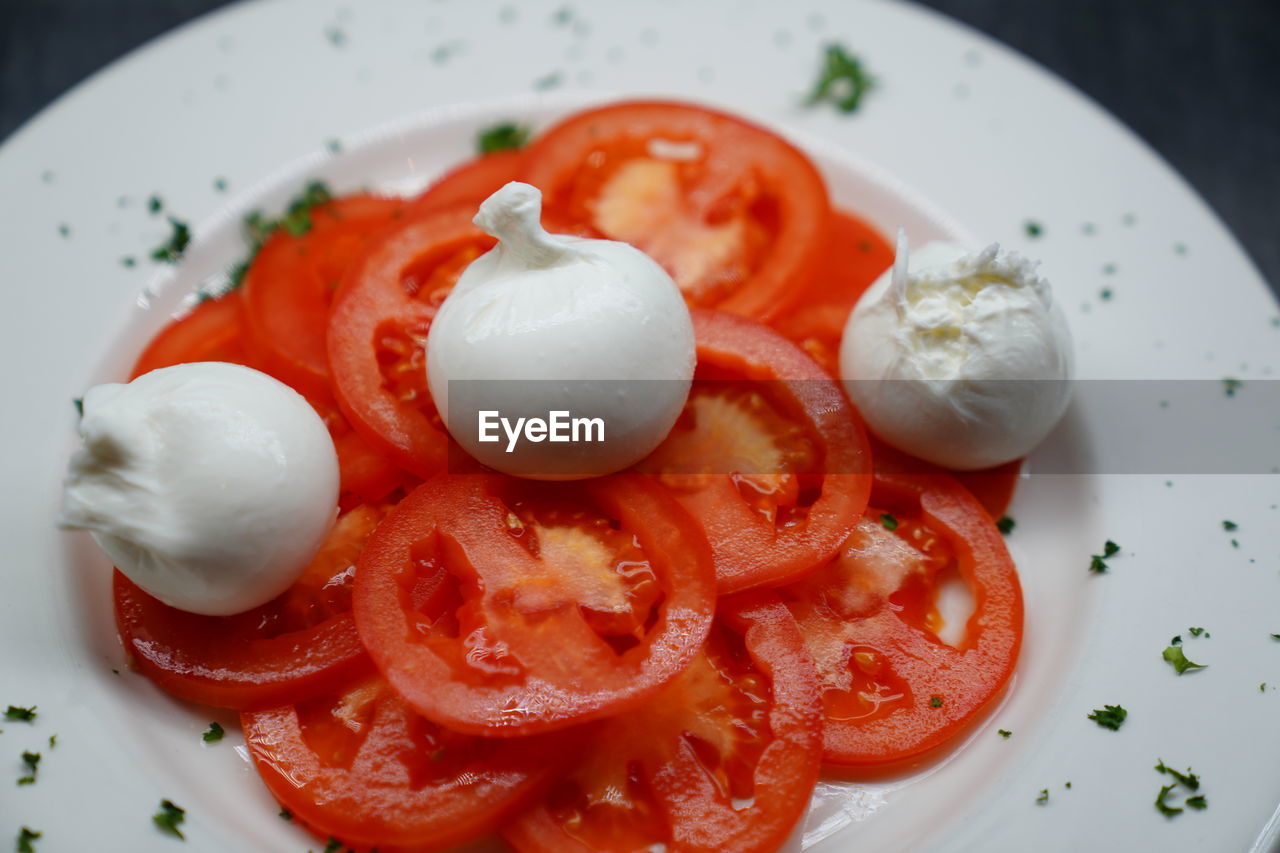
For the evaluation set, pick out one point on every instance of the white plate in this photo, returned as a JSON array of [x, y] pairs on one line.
[[253, 93]]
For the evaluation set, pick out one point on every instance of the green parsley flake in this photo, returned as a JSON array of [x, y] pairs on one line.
[[890, 523], [128, 261], [26, 835], [1109, 717], [935, 701], [169, 818], [19, 714], [78, 402], [333, 846], [1275, 636], [296, 221], [1097, 563], [1262, 688], [1105, 294], [1033, 228], [507, 136], [170, 251], [1163, 807], [214, 734], [1196, 632], [285, 814], [1043, 797], [1187, 780], [32, 760], [1230, 525], [1178, 660], [1231, 385], [1005, 525], [155, 205], [53, 741], [220, 184], [842, 80], [64, 230], [1198, 802], [1176, 641], [1004, 733]]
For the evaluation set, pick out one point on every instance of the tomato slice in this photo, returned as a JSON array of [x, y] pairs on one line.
[[291, 281], [854, 257], [504, 607], [360, 766], [214, 330], [993, 487], [723, 760], [736, 214], [768, 455], [893, 689], [378, 331], [296, 646], [473, 181]]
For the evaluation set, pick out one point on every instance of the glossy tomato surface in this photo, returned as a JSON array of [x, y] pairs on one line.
[[503, 607], [357, 765], [768, 455], [298, 645], [737, 215], [723, 760], [893, 689]]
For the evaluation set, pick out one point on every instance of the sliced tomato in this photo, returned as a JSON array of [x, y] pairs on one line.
[[855, 255], [358, 765], [736, 214], [768, 455], [893, 689], [993, 487], [291, 281], [378, 331], [723, 760], [505, 607], [214, 330], [473, 181], [296, 646]]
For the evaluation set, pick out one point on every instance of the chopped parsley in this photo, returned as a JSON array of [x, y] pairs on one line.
[[19, 714], [1187, 780], [1163, 807], [78, 402], [1178, 660], [26, 835], [285, 814], [214, 734], [220, 184], [1005, 525], [32, 760], [842, 80], [155, 205], [296, 221], [1176, 641], [1196, 632], [890, 523], [297, 216], [1097, 563], [1231, 385], [128, 261], [64, 230], [169, 818], [1262, 688], [1004, 733], [1105, 294], [935, 701], [333, 846], [1043, 797], [170, 251], [53, 741], [1033, 228], [1275, 636], [507, 136], [1230, 525], [1109, 717]]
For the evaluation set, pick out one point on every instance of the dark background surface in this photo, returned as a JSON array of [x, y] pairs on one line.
[[1198, 81]]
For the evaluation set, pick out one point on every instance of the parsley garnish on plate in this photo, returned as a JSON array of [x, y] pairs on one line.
[[296, 221], [507, 136], [1043, 798], [26, 835], [1230, 385], [32, 760], [333, 846], [1164, 808], [1033, 228], [19, 714], [78, 402], [890, 523], [1004, 733], [169, 818], [170, 251], [842, 81], [1178, 660], [53, 741], [1109, 717], [935, 701], [1196, 632], [1198, 802], [214, 734], [1229, 526], [285, 814], [1005, 525], [1189, 781], [155, 205]]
